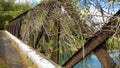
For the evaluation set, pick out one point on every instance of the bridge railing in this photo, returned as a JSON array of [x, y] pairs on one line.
[[37, 58], [53, 32]]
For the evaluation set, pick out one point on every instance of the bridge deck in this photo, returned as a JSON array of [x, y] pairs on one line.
[[8, 52]]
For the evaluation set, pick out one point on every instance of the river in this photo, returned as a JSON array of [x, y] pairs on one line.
[[92, 61]]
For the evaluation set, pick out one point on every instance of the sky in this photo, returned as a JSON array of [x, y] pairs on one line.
[[31, 2], [96, 17], [93, 9]]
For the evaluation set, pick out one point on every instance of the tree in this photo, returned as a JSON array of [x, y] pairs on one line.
[[9, 10]]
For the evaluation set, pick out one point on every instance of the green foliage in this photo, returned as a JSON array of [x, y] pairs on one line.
[[112, 43], [9, 10]]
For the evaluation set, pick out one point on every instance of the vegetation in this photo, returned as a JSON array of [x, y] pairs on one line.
[[9, 10], [55, 32], [3, 64], [112, 43]]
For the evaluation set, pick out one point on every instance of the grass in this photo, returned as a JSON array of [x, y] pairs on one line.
[[3, 64]]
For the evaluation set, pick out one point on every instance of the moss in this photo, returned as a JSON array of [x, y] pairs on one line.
[[112, 43]]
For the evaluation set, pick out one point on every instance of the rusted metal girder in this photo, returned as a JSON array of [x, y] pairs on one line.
[[56, 37], [69, 8], [95, 41], [40, 33], [15, 24], [72, 14], [104, 57]]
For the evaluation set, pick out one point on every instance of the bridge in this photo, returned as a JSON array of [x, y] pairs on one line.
[[42, 28]]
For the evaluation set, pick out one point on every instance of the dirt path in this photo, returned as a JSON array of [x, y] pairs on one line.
[[9, 53]]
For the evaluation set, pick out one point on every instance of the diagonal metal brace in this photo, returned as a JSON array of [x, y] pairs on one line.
[[94, 42]]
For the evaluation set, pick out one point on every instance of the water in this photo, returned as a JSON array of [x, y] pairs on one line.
[[89, 62], [92, 61]]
